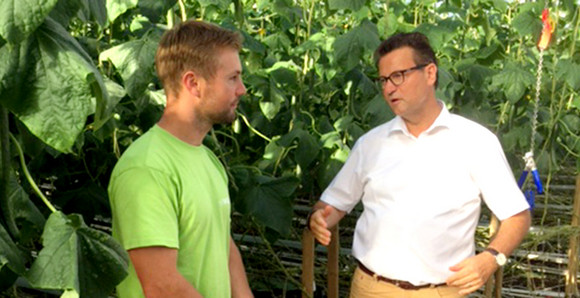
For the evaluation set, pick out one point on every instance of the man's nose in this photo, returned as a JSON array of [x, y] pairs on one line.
[[241, 89], [389, 87]]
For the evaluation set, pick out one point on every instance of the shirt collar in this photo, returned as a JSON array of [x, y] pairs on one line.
[[443, 120]]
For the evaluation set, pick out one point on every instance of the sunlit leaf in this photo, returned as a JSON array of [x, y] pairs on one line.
[[135, 62], [271, 106], [50, 83], [76, 257], [513, 80], [353, 5], [527, 23], [115, 8], [569, 72], [438, 34], [350, 47], [19, 18], [223, 4]]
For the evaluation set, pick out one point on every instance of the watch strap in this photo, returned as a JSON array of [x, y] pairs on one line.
[[492, 251]]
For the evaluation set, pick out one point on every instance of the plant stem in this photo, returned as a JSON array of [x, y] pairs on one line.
[[4, 155], [28, 177], [573, 45], [253, 129], [273, 252], [170, 19], [182, 10]]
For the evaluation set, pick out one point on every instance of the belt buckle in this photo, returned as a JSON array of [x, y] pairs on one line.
[[404, 285]]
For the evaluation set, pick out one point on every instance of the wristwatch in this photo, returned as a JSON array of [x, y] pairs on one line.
[[500, 258]]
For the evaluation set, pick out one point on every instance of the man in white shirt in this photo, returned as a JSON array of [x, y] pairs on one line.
[[421, 178]]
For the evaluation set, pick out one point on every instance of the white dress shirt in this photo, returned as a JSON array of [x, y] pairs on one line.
[[422, 196]]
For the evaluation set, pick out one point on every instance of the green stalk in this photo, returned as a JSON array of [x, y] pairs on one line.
[[277, 259], [4, 155], [170, 19], [573, 45], [182, 10], [253, 129], [29, 177]]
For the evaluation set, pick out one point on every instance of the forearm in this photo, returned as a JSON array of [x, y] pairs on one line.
[[511, 232], [238, 279], [158, 274], [334, 217]]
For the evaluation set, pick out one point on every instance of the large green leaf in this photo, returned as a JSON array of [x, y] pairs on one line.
[[220, 3], [64, 10], [308, 146], [20, 214], [350, 47], [19, 18], [353, 5], [48, 82], [527, 23], [154, 9], [95, 10], [439, 34], [307, 151], [268, 200], [271, 105], [514, 80], [77, 258], [115, 8], [570, 72], [10, 255], [135, 62]]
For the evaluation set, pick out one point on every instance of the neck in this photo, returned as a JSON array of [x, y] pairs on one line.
[[430, 113], [180, 120]]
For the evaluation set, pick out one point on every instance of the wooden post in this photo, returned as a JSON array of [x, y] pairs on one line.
[[332, 265], [307, 264], [496, 279], [571, 277]]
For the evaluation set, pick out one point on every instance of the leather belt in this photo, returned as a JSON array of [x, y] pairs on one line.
[[399, 283]]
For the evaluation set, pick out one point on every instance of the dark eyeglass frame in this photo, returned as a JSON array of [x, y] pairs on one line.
[[382, 80]]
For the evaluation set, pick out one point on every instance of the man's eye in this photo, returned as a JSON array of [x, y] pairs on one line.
[[396, 75]]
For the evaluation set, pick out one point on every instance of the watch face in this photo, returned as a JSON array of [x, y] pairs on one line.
[[500, 259]]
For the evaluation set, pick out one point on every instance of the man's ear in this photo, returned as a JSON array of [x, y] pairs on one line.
[[431, 73], [190, 82]]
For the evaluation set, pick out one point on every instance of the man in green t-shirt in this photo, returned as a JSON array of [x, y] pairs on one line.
[[168, 192]]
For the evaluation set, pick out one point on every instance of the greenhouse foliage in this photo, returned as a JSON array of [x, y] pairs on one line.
[[77, 86]]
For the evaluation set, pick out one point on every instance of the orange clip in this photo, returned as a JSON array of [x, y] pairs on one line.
[[547, 29]]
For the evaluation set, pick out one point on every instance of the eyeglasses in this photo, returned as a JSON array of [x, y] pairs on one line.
[[398, 77]]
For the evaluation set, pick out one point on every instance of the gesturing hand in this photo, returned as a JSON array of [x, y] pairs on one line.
[[319, 225], [472, 273]]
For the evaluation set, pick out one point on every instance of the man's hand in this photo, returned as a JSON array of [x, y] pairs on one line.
[[472, 273], [319, 224]]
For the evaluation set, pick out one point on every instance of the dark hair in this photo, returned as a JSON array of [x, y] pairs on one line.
[[191, 45], [422, 51]]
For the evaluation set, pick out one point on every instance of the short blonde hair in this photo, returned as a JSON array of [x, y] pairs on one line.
[[191, 45]]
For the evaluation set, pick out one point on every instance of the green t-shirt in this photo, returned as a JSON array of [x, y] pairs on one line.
[[165, 192]]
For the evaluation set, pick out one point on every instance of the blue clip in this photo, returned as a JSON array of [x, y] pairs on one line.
[[537, 181], [530, 198], [531, 167]]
